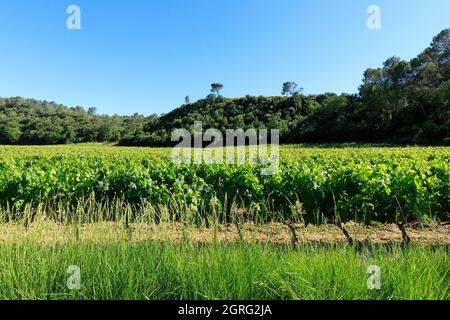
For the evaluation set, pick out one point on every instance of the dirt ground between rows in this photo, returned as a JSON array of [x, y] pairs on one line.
[[107, 232]]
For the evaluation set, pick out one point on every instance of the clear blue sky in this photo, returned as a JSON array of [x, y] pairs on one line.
[[146, 56]]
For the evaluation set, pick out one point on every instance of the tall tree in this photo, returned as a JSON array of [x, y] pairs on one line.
[[290, 88], [216, 87], [92, 111]]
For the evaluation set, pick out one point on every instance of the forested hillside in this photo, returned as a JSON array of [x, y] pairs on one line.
[[401, 102], [28, 121]]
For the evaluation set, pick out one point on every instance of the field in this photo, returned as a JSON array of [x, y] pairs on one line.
[[140, 227], [165, 271]]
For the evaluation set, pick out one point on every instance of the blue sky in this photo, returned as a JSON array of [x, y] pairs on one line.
[[145, 56]]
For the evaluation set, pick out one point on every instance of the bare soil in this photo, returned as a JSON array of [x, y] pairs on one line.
[[107, 232]]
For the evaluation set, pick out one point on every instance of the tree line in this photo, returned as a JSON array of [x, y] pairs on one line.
[[406, 102], [33, 122]]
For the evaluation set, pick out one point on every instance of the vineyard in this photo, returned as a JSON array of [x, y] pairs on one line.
[[169, 231], [313, 185]]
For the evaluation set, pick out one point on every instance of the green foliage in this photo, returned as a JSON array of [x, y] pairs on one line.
[[28, 121], [10, 131], [362, 184], [222, 113]]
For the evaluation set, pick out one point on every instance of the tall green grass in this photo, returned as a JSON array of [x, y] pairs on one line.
[[156, 270]]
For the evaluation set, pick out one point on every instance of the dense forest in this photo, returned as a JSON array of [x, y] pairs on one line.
[[406, 102], [28, 121]]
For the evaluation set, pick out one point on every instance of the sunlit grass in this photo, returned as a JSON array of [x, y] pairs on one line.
[[156, 270]]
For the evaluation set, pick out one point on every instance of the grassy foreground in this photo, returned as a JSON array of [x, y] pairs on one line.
[[163, 270]]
